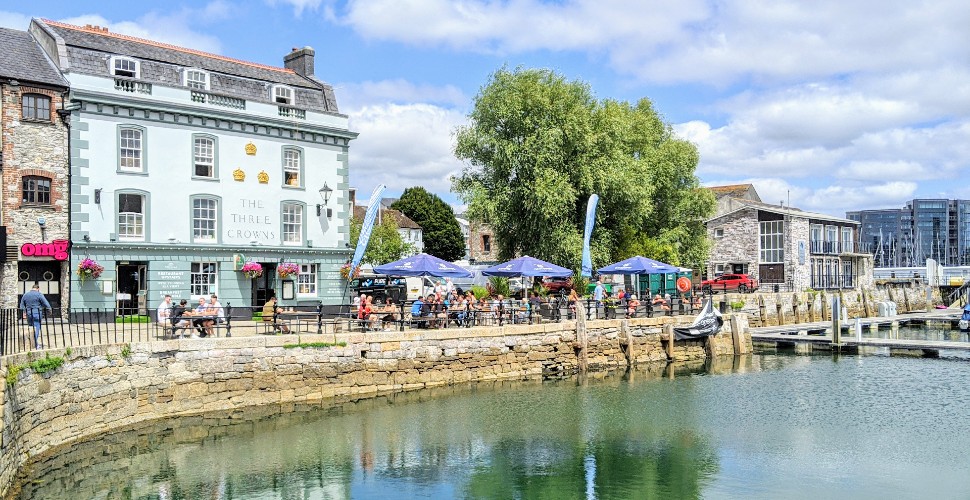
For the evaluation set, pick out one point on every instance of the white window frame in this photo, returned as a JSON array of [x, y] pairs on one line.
[[200, 224], [193, 83], [306, 281], [292, 217], [133, 221], [282, 92], [204, 159], [771, 242], [121, 60], [132, 149], [718, 233], [292, 159], [847, 245], [204, 278]]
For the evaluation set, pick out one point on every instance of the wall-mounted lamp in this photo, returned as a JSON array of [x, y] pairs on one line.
[[97, 196], [325, 196], [42, 222]]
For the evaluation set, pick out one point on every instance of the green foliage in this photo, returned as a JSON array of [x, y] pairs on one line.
[[539, 145], [68, 351], [580, 284], [737, 305], [126, 351], [314, 344], [39, 366], [133, 319], [497, 285], [479, 292], [385, 243], [12, 372], [442, 234]]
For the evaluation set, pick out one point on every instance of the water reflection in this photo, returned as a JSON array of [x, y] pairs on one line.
[[679, 431]]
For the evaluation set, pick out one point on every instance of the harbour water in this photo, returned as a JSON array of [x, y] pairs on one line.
[[763, 426]]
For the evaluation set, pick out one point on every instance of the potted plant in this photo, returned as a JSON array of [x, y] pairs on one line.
[[253, 269], [287, 269], [89, 269]]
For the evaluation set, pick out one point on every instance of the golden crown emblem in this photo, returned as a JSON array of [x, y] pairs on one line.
[[263, 177], [238, 174], [251, 149]]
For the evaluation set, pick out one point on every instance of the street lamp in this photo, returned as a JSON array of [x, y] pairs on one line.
[[325, 196]]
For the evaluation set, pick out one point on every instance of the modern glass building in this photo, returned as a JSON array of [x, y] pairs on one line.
[[924, 229]]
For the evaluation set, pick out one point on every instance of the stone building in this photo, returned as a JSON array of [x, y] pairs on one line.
[[482, 248], [787, 247], [188, 165], [34, 197]]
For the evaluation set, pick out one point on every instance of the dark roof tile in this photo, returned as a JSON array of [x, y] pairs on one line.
[[22, 59]]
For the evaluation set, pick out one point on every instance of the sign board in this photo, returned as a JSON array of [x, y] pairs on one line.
[[171, 278], [238, 261], [56, 249]]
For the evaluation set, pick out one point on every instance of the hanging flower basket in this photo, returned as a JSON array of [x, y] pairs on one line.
[[253, 269], [287, 269], [88, 269], [346, 274]]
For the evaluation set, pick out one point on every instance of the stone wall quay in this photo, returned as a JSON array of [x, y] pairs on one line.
[[100, 389]]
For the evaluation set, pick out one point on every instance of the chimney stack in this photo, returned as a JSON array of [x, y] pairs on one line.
[[300, 61]]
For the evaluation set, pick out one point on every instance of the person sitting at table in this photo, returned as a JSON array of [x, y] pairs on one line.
[[571, 303], [201, 323], [178, 321], [659, 301], [416, 307], [427, 311], [696, 302], [456, 311], [271, 313], [366, 313], [535, 308], [215, 309], [389, 314], [631, 306]]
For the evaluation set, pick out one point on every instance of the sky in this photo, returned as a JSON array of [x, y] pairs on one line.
[[833, 105]]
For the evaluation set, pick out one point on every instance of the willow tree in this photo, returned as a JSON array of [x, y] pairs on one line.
[[538, 145]]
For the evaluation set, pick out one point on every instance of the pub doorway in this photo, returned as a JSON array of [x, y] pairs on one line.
[[264, 286], [132, 289], [46, 274]]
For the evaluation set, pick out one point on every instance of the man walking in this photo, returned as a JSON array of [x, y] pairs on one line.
[[598, 296], [33, 304]]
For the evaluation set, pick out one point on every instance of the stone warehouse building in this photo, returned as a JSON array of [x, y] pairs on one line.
[[34, 197], [787, 247], [186, 165]]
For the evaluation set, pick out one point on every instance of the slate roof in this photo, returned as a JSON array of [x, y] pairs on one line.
[[403, 221], [22, 59], [116, 43], [789, 211], [733, 190]]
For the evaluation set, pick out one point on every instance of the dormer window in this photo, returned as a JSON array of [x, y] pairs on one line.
[[124, 66], [282, 95], [196, 79]]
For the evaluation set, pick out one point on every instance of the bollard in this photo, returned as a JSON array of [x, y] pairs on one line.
[[836, 321]]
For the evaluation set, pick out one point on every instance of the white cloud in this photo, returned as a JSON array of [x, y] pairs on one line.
[[699, 41], [357, 95], [403, 146], [298, 5], [170, 27], [14, 20]]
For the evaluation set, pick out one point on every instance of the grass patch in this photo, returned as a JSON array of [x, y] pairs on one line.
[[315, 344], [133, 319], [126, 351], [257, 316], [43, 365]]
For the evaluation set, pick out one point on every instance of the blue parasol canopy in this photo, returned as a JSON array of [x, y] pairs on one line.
[[638, 265], [527, 266], [423, 264]]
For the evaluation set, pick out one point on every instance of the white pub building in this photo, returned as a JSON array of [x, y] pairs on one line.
[[187, 165]]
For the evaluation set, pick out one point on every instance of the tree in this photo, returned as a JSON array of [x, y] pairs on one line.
[[442, 234], [538, 145], [385, 243]]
